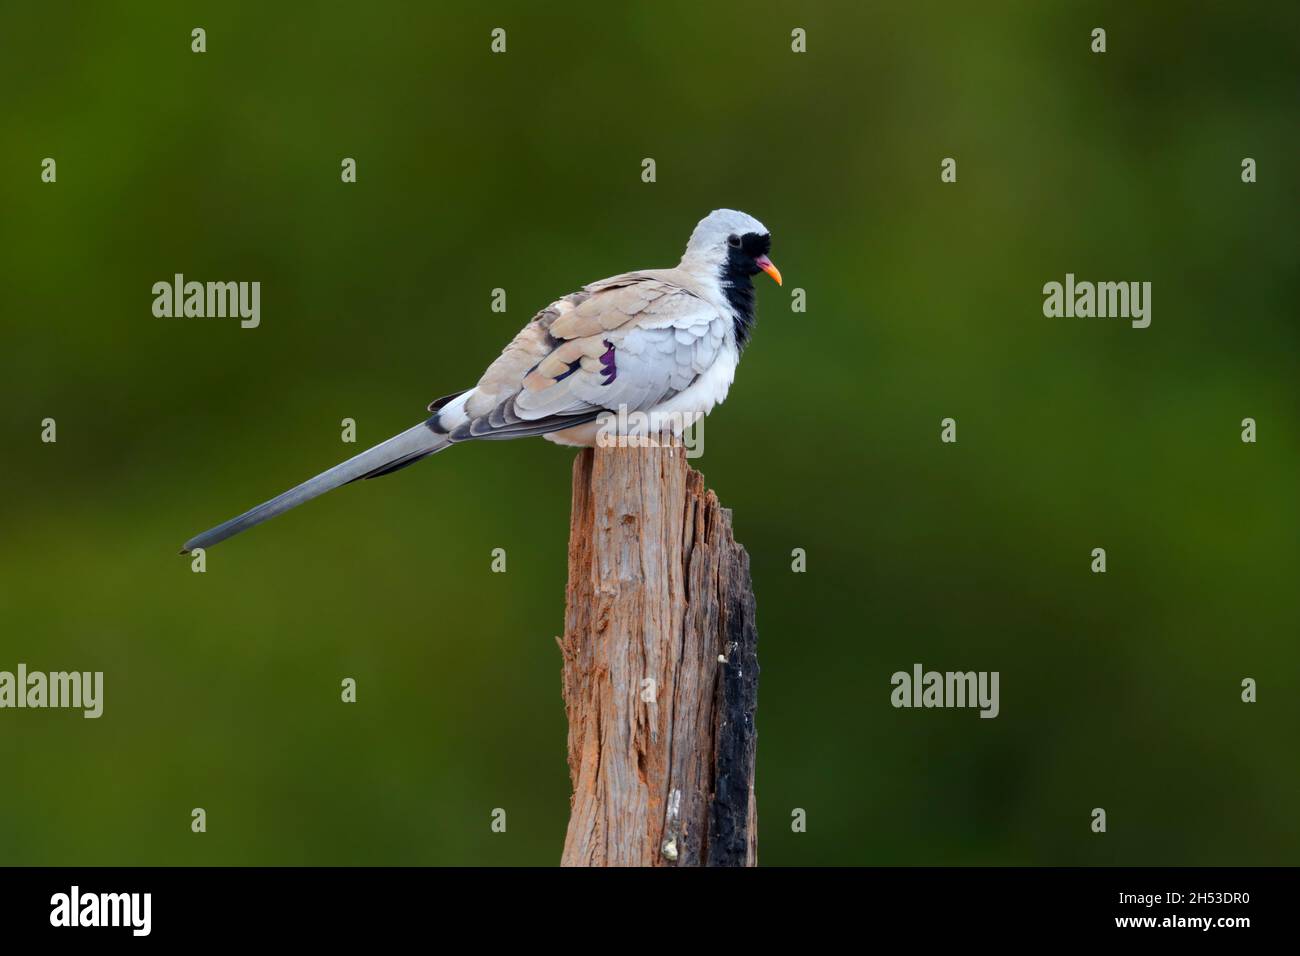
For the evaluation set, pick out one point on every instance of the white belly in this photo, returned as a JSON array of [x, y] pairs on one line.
[[695, 400]]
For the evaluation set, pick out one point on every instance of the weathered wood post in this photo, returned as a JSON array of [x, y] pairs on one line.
[[660, 668]]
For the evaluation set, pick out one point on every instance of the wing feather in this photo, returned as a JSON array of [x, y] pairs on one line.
[[633, 340]]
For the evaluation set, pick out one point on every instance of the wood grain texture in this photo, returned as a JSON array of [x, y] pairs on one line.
[[660, 668]]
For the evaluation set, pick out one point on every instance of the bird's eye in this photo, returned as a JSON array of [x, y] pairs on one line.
[[733, 241]]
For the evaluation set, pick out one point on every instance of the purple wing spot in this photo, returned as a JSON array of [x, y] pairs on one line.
[[573, 367], [609, 369]]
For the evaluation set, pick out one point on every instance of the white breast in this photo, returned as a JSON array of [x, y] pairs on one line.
[[710, 388], [678, 412]]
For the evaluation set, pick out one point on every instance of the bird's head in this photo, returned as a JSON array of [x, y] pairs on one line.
[[728, 243]]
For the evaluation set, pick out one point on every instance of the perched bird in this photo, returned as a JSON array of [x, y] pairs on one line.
[[663, 342]]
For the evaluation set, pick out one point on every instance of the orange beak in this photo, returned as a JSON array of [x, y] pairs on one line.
[[764, 263]]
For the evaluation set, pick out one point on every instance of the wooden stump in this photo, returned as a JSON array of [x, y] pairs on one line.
[[660, 668]]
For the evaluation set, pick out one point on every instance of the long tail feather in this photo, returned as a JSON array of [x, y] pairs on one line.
[[399, 451]]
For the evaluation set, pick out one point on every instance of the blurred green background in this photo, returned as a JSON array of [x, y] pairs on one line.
[[522, 171]]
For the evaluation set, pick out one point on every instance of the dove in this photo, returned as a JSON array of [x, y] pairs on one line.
[[663, 342]]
